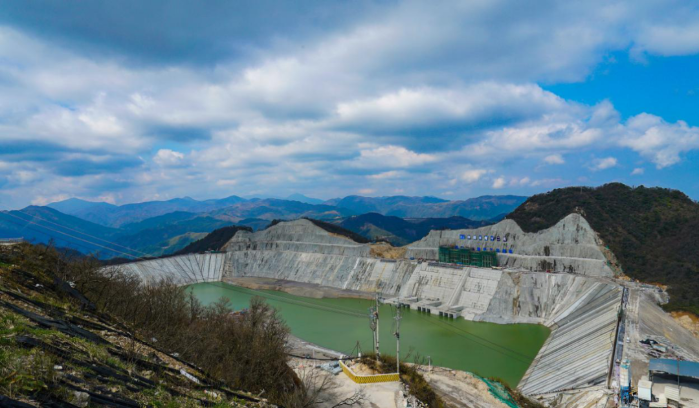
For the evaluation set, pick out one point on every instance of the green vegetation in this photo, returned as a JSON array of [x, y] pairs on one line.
[[106, 337], [653, 232]]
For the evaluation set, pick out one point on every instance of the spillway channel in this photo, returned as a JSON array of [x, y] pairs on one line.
[[487, 349]]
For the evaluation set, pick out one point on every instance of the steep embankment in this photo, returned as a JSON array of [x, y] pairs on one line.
[[652, 231]]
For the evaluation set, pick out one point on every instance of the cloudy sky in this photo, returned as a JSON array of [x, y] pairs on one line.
[[130, 100]]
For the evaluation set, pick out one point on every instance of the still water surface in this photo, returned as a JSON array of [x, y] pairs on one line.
[[488, 349]]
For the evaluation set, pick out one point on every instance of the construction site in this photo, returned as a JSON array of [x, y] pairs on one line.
[[600, 322]]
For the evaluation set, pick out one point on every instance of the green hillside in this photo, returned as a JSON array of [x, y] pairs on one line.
[[654, 232]]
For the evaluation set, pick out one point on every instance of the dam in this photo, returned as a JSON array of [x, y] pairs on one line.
[[558, 278]]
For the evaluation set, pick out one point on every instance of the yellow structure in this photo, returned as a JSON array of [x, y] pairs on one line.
[[368, 379]]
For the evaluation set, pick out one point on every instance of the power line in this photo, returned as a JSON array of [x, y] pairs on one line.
[[82, 233], [293, 301], [483, 341], [69, 235], [461, 332]]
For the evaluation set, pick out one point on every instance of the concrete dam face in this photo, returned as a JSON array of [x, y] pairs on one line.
[[575, 300]]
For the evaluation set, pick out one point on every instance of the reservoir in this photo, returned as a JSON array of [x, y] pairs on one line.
[[487, 349]]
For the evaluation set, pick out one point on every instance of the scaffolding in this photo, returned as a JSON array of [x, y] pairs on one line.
[[467, 256]]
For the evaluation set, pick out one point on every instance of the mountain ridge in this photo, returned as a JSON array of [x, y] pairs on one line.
[[294, 206], [652, 231]]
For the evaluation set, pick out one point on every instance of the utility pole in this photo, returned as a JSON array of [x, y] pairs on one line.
[[377, 327], [374, 325], [397, 334]]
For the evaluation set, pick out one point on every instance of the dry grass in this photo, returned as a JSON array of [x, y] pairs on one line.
[[688, 320], [388, 251]]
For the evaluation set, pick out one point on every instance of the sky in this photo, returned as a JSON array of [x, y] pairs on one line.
[[132, 101]]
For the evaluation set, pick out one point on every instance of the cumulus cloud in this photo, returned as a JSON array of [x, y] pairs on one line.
[[385, 175], [414, 110], [499, 182], [638, 171], [391, 156], [167, 157], [520, 181], [473, 175], [604, 163], [659, 141], [554, 159]]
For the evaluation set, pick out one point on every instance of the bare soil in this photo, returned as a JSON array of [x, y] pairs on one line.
[[297, 288], [688, 320], [388, 251]]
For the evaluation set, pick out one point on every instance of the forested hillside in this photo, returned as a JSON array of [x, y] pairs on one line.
[[654, 232]]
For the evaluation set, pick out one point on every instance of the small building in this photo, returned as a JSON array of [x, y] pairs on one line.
[[644, 389], [672, 383]]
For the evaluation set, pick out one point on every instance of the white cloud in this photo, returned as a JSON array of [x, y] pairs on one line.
[[385, 175], [554, 159], [499, 183], [637, 171], [659, 141], [411, 90], [412, 109], [471, 176], [515, 181], [167, 157], [604, 163], [391, 156]]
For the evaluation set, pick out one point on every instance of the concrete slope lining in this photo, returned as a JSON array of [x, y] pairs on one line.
[[569, 246]]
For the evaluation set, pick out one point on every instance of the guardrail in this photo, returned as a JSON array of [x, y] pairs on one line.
[[368, 379]]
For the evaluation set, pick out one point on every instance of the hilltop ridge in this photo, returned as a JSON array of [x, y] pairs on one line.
[[653, 232]]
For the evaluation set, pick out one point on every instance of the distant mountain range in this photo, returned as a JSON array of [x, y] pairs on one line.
[[399, 231], [236, 208], [479, 208], [157, 228], [114, 216]]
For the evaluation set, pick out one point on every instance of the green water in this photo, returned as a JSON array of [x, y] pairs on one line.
[[488, 349]]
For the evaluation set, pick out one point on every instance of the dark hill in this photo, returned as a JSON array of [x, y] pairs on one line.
[[654, 232], [332, 228], [214, 241]]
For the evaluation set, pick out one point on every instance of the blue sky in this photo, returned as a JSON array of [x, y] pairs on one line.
[[131, 101]]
